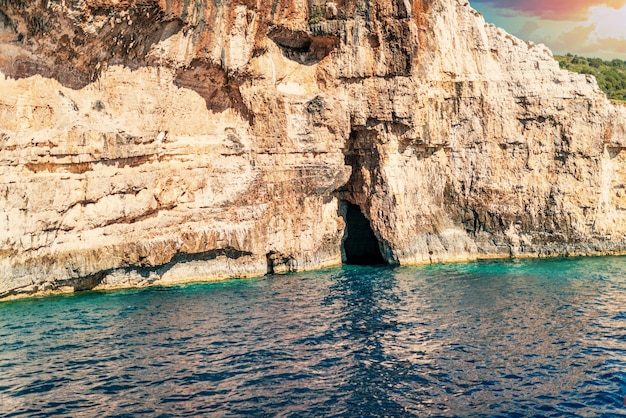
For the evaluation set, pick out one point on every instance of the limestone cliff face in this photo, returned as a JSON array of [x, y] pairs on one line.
[[159, 141]]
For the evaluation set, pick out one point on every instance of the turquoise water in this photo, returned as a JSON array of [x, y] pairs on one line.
[[518, 338]]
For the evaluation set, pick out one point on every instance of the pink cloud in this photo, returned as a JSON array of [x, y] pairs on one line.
[[617, 45], [577, 38], [581, 40], [553, 9]]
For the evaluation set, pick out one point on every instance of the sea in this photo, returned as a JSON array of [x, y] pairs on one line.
[[518, 338]]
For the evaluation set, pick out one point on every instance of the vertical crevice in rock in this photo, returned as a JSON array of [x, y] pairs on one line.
[[362, 243]]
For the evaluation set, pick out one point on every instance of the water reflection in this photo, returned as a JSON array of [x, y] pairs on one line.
[[378, 381]]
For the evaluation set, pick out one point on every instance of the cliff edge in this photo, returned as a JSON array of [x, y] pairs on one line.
[[161, 141]]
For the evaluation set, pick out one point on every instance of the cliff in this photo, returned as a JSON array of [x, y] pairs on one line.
[[160, 141]]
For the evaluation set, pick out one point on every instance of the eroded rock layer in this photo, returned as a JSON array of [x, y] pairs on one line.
[[160, 141]]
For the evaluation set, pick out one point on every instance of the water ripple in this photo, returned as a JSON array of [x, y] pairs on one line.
[[520, 338]]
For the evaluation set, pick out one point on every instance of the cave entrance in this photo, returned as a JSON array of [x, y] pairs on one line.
[[360, 245]]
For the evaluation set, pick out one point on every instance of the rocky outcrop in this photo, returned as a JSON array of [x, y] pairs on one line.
[[161, 141]]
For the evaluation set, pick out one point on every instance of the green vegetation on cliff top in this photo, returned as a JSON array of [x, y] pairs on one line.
[[611, 75]]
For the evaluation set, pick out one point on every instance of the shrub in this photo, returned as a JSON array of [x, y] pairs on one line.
[[611, 75]]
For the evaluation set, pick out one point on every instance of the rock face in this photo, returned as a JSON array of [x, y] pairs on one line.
[[160, 141]]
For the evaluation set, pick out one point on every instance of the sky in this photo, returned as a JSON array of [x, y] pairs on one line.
[[590, 28]]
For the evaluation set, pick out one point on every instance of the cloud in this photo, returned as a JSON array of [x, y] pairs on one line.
[[576, 39], [592, 28], [604, 47], [583, 40], [577, 10], [617, 45], [528, 29], [610, 22]]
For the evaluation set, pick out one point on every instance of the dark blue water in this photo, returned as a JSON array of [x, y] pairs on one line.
[[524, 338]]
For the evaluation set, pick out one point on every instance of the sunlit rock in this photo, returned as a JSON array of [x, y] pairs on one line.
[[164, 141]]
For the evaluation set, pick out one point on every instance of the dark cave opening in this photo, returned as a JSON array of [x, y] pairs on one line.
[[360, 245]]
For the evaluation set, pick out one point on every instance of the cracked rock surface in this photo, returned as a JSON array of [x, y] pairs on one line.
[[160, 141]]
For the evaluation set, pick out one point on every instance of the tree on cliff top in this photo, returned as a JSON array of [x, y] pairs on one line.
[[611, 75]]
